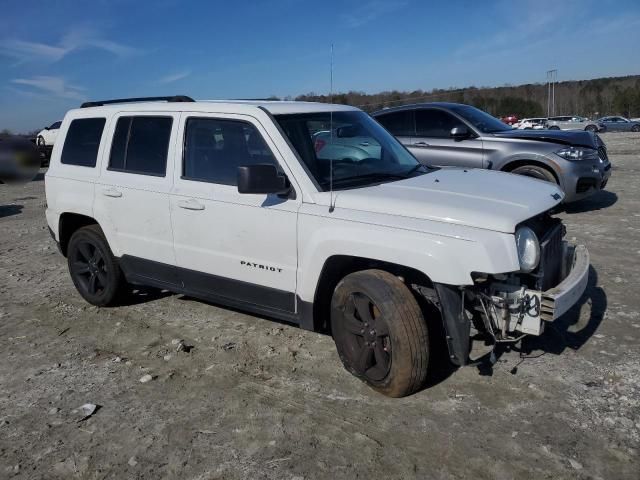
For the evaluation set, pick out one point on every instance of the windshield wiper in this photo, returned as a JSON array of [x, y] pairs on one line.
[[371, 176], [414, 169]]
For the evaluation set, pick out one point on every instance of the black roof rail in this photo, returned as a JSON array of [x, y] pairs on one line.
[[174, 98]]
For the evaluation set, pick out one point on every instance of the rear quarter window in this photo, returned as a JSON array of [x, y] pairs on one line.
[[82, 142]]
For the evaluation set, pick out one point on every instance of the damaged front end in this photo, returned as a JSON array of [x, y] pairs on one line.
[[504, 308]]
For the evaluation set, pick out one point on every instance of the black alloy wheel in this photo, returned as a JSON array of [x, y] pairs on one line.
[[94, 270], [89, 267], [380, 332], [367, 334]]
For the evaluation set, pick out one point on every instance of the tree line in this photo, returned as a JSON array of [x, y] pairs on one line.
[[588, 98]]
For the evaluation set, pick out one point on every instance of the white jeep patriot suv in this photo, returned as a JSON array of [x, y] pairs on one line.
[[237, 203]]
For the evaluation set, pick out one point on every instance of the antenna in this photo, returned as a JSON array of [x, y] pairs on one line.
[[331, 205]]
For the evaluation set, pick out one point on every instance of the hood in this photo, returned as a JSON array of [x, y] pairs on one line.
[[579, 138], [477, 198]]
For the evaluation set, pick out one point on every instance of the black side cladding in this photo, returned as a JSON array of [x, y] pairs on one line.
[[457, 325]]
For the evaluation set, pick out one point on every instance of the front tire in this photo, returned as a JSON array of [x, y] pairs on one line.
[[635, 128], [535, 171], [380, 332], [93, 268]]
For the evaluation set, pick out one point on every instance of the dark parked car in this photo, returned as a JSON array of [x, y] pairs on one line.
[[19, 159], [619, 124], [451, 134]]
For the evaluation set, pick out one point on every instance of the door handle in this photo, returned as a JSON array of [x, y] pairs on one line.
[[364, 144], [190, 205], [111, 192], [421, 144]]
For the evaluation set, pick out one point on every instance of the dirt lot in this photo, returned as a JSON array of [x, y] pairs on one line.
[[257, 399]]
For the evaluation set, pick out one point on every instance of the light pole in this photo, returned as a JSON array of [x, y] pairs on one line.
[[552, 78]]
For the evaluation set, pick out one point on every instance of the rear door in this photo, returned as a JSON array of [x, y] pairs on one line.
[[433, 145], [230, 245], [622, 124], [400, 124], [132, 193]]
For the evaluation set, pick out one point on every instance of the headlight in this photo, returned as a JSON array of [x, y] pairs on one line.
[[528, 249], [577, 153]]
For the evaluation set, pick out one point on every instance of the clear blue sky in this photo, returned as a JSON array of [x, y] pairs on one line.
[[55, 54]]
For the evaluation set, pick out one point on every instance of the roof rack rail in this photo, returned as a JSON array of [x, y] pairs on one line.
[[174, 98]]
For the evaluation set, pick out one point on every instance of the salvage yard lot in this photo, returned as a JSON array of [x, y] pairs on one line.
[[257, 399]]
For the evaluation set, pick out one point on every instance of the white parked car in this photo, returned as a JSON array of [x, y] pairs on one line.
[[572, 123], [46, 137], [228, 202], [531, 124]]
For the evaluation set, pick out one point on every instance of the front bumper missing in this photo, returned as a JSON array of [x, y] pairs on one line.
[[558, 300], [517, 309], [508, 310]]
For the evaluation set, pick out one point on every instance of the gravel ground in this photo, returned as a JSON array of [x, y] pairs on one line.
[[257, 399]]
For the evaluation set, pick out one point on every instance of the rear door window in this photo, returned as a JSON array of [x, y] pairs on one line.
[[399, 124], [82, 142], [140, 145]]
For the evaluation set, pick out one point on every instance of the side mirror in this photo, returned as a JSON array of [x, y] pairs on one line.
[[46, 128], [460, 133], [261, 178]]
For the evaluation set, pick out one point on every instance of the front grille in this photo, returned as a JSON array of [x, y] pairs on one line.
[[602, 152], [550, 268]]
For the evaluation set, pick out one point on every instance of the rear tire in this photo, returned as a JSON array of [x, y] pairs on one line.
[[554, 127], [535, 171], [591, 128], [380, 332], [94, 270]]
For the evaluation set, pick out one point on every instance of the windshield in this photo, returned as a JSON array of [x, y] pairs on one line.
[[479, 119], [362, 152]]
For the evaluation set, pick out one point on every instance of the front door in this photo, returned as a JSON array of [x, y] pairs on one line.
[[433, 145], [230, 245]]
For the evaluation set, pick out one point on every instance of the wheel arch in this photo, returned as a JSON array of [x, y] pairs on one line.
[[68, 224], [336, 267], [512, 165]]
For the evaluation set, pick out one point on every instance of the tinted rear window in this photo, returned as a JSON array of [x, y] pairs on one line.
[[140, 145], [82, 142], [399, 124]]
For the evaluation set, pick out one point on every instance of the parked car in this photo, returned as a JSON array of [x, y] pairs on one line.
[[375, 250], [531, 124], [346, 143], [46, 138], [509, 119], [573, 123], [619, 124], [451, 134]]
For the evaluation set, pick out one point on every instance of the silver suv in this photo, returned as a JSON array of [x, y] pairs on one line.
[[573, 123], [451, 134]]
